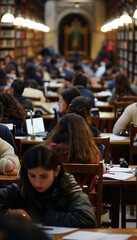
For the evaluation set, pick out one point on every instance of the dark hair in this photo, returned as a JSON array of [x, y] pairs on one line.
[[70, 93], [39, 156], [69, 76], [81, 105], [80, 79], [74, 134], [123, 87], [18, 86], [11, 107]]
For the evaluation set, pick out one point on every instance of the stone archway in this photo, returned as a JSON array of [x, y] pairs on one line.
[[74, 35]]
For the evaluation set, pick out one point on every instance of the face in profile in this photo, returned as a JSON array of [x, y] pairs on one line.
[[41, 179], [63, 106]]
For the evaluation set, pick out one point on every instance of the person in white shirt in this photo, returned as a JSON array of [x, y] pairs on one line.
[[129, 115]]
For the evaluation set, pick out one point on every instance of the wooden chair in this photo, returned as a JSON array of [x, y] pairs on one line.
[[119, 107], [106, 142], [133, 143], [95, 170]]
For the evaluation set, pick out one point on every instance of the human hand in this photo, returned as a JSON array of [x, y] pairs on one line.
[[11, 168], [18, 214]]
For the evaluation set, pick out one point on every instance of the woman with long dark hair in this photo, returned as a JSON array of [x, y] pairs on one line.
[[46, 194]]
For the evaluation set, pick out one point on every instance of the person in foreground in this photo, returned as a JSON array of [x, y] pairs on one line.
[[46, 194]]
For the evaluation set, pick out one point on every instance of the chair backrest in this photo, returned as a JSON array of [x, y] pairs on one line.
[[105, 141], [133, 143], [95, 170], [119, 107]]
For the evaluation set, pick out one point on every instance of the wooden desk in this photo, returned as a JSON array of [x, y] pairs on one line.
[[104, 106], [4, 179], [118, 148], [52, 96], [107, 120], [103, 95], [116, 142], [132, 231], [23, 143], [115, 188]]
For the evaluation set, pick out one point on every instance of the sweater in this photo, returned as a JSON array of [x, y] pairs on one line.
[[9, 162], [129, 115]]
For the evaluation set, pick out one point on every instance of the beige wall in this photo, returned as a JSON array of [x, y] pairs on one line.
[[94, 11]]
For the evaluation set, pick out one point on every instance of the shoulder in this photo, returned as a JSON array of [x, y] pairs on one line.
[[72, 185]]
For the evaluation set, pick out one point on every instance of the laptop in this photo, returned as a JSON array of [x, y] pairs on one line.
[[35, 127]]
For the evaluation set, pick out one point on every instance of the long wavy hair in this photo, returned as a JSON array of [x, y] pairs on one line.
[[73, 133], [123, 86], [11, 107]]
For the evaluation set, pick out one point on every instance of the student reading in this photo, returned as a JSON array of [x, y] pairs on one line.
[[46, 193]]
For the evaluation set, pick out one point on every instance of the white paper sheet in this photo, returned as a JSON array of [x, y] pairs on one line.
[[117, 138], [120, 169], [56, 230], [118, 175], [85, 235]]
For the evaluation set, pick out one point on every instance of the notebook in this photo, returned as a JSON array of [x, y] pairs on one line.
[[35, 127]]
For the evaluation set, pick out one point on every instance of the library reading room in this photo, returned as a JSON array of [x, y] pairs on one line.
[[68, 119]]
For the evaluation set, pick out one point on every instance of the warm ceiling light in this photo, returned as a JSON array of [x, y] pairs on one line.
[[76, 5], [125, 18], [135, 14], [18, 21], [7, 18]]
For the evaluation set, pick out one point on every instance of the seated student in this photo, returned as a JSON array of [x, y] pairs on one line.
[[129, 115], [46, 193], [122, 88], [73, 141], [17, 88], [32, 90], [80, 81], [82, 106], [9, 162], [67, 81], [13, 112], [65, 98]]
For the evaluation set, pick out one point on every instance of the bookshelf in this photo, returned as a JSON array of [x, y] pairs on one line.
[[125, 43], [18, 42]]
